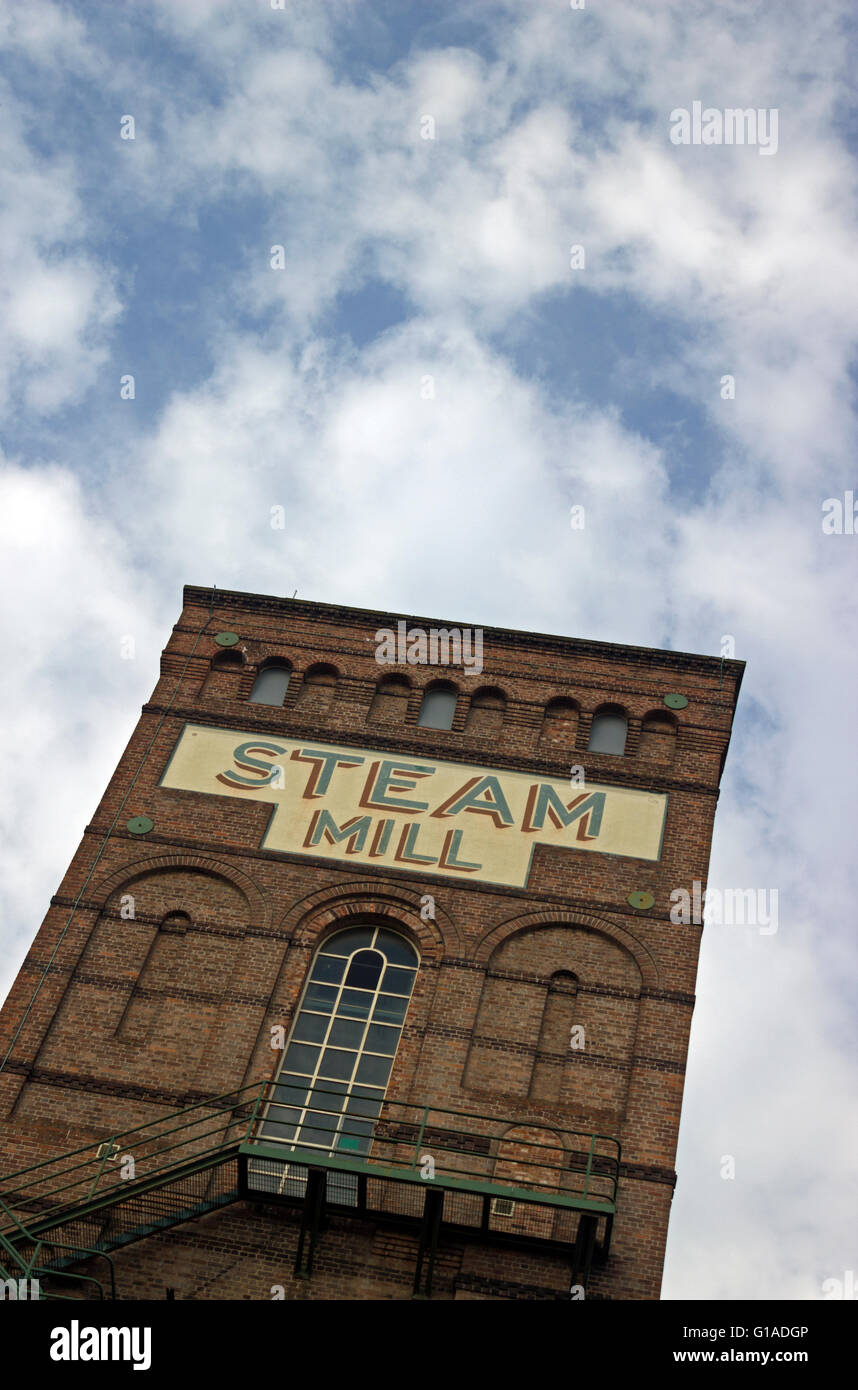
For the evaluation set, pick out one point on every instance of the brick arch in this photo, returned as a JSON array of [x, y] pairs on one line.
[[514, 925], [120, 878], [306, 920]]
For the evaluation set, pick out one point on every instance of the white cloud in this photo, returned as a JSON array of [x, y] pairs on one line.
[[459, 504]]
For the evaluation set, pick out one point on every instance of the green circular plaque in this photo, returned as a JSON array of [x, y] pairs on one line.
[[226, 639], [640, 900], [139, 825], [675, 700]]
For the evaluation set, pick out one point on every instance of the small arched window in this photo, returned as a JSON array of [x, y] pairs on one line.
[[658, 737], [608, 731], [271, 684], [340, 1054], [438, 707], [390, 701], [559, 723], [486, 711], [317, 687], [222, 681]]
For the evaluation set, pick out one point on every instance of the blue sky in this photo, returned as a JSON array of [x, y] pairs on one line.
[[449, 257]]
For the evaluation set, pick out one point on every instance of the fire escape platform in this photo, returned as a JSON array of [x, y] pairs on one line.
[[340, 1163], [482, 1178]]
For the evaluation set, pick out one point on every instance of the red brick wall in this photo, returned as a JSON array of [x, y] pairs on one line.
[[139, 1016]]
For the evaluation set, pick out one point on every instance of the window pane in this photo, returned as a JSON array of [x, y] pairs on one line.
[[269, 687], [320, 997], [310, 1028], [365, 970], [389, 1010], [302, 1058], [356, 1136], [396, 948], [437, 709], [281, 1115], [347, 941], [328, 1095], [374, 1070], [381, 1039], [364, 1101], [346, 1033], [337, 1064], [317, 1128], [608, 734], [355, 1004], [397, 980], [290, 1090], [281, 1133], [329, 968]]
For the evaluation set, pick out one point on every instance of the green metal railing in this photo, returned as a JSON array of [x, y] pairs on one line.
[[30, 1259], [456, 1149], [532, 1162]]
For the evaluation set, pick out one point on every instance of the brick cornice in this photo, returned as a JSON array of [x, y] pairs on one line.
[[328, 613]]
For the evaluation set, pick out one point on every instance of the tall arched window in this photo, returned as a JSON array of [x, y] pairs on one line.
[[438, 707], [608, 731], [270, 685], [339, 1056]]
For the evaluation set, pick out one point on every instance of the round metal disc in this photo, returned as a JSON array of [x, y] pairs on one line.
[[139, 825], [226, 639], [640, 900], [675, 701]]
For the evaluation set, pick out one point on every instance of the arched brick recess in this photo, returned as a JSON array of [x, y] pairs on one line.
[[644, 960], [507, 1038], [306, 920], [122, 878]]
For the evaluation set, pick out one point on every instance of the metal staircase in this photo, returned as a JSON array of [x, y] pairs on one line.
[[424, 1167]]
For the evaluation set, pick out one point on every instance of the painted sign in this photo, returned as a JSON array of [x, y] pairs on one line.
[[403, 811]]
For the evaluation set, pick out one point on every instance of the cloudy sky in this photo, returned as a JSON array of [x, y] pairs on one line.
[[427, 377]]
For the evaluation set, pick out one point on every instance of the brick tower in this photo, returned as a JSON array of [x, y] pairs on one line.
[[363, 981]]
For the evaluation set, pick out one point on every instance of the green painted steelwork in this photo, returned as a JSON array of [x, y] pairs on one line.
[[180, 1157], [314, 1159]]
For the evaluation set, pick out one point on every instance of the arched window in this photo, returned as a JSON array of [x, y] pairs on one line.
[[317, 687], [340, 1054], [390, 701], [270, 685], [222, 681], [559, 723], [486, 711], [608, 731], [658, 738], [438, 707]]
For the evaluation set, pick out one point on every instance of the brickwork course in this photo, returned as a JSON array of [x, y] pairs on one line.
[[114, 1022]]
